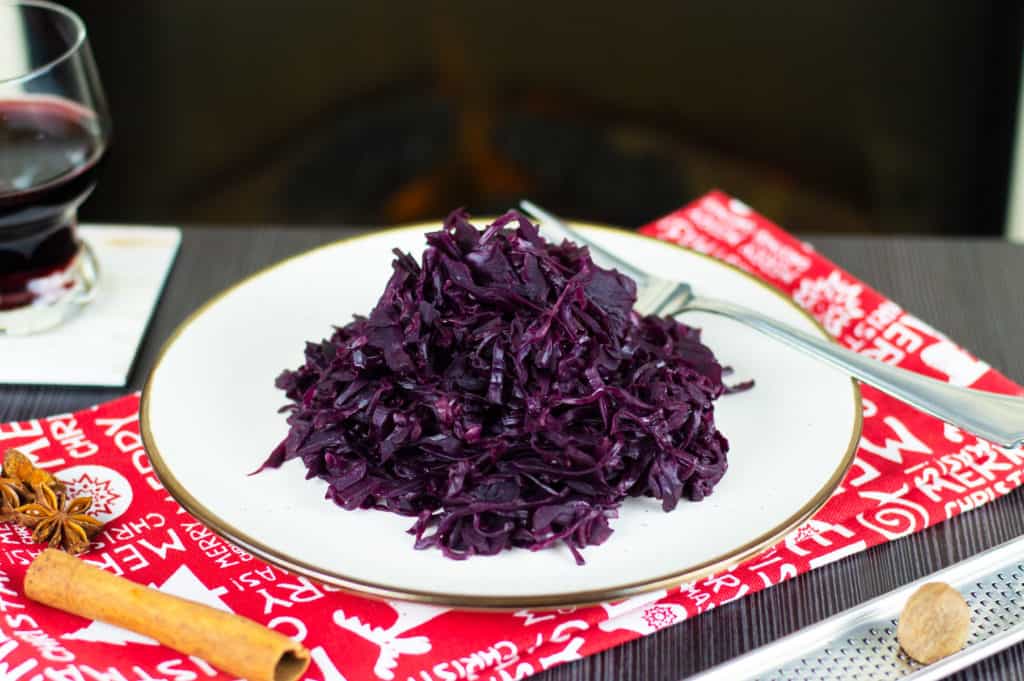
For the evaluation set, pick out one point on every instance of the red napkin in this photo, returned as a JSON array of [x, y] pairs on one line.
[[911, 471]]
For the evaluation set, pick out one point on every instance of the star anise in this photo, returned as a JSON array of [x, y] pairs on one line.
[[58, 522], [13, 494], [18, 466]]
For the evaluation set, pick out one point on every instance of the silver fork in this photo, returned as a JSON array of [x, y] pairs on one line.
[[997, 418]]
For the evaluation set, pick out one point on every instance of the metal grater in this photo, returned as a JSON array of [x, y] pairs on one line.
[[860, 643]]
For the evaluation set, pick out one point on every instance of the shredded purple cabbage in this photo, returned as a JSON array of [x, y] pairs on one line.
[[505, 393]]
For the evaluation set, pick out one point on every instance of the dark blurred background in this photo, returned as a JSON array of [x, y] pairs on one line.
[[834, 116]]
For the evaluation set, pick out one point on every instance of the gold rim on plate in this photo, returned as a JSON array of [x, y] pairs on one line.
[[471, 601]]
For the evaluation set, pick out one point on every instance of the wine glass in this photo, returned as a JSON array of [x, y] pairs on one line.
[[54, 130]]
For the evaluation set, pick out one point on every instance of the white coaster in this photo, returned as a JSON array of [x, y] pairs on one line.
[[98, 345]]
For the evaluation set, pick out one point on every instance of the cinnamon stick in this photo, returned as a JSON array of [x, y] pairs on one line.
[[235, 644]]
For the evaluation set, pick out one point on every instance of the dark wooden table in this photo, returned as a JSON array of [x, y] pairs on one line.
[[971, 289]]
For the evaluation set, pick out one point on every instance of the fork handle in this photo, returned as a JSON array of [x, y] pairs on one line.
[[994, 417]]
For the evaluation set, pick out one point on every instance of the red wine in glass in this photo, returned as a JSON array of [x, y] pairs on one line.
[[54, 130], [47, 168]]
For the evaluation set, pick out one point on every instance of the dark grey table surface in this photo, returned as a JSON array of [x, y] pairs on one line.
[[971, 289]]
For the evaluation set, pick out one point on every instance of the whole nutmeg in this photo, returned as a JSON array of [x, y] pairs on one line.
[[934, 623]]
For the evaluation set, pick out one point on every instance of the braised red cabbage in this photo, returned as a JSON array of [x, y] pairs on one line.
[[504, 392]]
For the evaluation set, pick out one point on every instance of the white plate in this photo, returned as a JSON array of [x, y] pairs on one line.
[[209, 417]]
